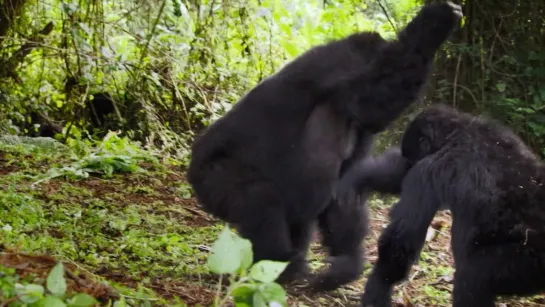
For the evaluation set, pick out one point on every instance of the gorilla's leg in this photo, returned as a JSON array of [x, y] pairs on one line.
[[255, 207], [504, 269], [470, 290], [261, 218], [343, 230], [401, 242], [301, 236], [269, 234]]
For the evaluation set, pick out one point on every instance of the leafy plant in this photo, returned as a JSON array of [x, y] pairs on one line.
[[112, 155], [184, 190], [249, 285], [36, 295]]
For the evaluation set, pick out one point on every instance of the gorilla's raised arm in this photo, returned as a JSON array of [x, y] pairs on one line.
[[396, 74]]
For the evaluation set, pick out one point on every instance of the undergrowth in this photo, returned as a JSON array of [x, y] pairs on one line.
[[114, 208], [128, 233]]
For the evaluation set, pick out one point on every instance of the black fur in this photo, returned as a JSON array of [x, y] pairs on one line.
[[493, 185], [270, 165], [383, 173]]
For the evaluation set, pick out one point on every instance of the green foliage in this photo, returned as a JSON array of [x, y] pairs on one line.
[[133, 224], [55, 281], [137, 228], [112, 155], [267, 271], [35, 295], [43, 144], [172, 67], [185, 191], [497, 67], [230, 253], [255, 286]]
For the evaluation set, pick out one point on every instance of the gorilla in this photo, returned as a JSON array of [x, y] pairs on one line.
[[493, 185], [100, 107], [270, 165]]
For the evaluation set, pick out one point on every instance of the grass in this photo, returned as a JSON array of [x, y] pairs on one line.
[[139, 234]]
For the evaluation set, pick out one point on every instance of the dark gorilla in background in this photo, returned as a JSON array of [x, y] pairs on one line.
[[493, 185], [270, 165]]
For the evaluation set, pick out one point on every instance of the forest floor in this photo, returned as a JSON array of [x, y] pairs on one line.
[[141, 236]]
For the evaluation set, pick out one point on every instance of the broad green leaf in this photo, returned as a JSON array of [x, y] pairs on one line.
[[56, 283], [226, 257], [29, 293], [258, 300], [52, 301], [121, 302], [243, 295], [273, 293], [82, 300], [246, 254], [267, 271]]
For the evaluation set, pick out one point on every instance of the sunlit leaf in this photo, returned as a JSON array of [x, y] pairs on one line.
[[83, 300], [267, 271], [56, 283], [246, 253], [501, 87], [52, 301], [258, 300], [29, 293], [226, 255], [273, 292]]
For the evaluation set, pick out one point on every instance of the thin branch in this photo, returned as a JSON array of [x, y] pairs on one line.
[[152, 33], [387, 16]]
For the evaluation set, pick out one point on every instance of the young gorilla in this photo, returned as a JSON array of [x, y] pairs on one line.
[[493, 185], [270, 165]]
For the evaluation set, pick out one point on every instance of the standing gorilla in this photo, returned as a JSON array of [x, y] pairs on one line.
[[270, 165], [493, 185]]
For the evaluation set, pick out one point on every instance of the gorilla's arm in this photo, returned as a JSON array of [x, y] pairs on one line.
[[427, 31], [383, 174], [376, 94], [401, 242], [362, 149]]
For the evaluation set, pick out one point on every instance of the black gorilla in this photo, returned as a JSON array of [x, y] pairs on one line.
[[494, 187], [270, 165], [100, 107]]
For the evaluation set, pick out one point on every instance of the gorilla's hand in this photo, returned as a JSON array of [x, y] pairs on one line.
[[431, 26], [343, 269], [442, 17]]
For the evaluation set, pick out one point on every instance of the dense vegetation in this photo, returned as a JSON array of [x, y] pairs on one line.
[[115, 206]]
